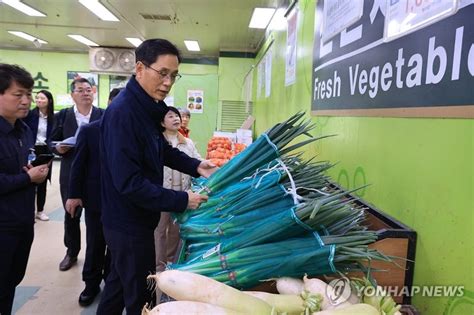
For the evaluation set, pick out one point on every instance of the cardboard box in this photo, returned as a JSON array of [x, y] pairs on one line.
[[244, 136]]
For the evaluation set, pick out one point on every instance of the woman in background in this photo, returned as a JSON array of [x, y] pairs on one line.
[[185, 118], [40, 120], [167, 233]]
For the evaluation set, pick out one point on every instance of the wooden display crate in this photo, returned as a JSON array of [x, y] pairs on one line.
[[395, 239]]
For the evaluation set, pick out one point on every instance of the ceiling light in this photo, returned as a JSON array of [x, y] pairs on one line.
[[22, 7], [192, 45], [261, 17], [27, 37], [134, 41], [98, 9], [278, 22], [83, 40]]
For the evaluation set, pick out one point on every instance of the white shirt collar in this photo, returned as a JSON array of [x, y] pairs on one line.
[[76, 112]]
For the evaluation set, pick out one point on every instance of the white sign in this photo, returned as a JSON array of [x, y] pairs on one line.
[[406, 16], [64, 100], [290, 69], [195, 101], [169, 100], [339, 15], [268, 73]]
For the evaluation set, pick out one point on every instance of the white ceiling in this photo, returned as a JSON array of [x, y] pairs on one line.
[[218, 25]]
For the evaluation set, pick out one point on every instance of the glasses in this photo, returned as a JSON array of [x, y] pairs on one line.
[[81, 91], [173, 77]]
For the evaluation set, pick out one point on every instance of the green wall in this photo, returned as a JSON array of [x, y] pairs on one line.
[[54, 67], [420, 170], [199, 77]]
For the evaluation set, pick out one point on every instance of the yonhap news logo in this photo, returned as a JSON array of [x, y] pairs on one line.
[[341, 289]]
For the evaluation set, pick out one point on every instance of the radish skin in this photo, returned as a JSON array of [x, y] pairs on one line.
[[317, 286], [287, 285], [188, 286], [187, 307], [288, 303], [356, 309]]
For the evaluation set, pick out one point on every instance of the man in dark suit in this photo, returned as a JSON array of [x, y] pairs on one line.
[[84, 191], [66, 123], [17, 181]]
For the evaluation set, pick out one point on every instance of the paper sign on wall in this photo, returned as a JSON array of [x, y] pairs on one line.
[[195, 101], [290, 69]]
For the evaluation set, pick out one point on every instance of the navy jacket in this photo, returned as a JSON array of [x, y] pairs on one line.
[[84, 180], [133, 153], [17, 193], [65, 126]]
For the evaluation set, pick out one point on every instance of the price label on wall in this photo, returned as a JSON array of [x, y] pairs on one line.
[[406, 16], [338, 15]]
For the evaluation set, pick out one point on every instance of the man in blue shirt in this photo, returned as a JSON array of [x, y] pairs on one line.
[[133, 154], [17, 181]]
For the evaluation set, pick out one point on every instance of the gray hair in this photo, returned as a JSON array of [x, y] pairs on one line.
[[184, 111]]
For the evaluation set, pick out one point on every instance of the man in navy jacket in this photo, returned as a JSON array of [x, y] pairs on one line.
[[133, 154], [17, 181]]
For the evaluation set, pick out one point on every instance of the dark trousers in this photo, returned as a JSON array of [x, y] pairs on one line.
[[41, 196], [41, 188], [15, 249], [133, 259], [97, 262], [72, 227]]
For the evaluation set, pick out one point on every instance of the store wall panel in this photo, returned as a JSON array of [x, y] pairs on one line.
[[420, 170]]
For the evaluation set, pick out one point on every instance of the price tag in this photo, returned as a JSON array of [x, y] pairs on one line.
[[406, 16]]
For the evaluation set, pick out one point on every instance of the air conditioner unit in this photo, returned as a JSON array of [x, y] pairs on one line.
[[111, 60]]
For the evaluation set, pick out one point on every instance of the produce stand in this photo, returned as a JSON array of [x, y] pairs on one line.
[[395, 239]]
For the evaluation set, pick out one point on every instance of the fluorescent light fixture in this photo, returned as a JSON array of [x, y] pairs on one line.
[[261, 17], [27, 37], [98, 9], [192, 45], [16, 4], [83, 40], [134, 41]]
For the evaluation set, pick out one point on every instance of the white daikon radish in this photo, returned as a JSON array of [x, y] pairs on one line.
[[187, 307], [188, 286], [288, 303], [317, 286], [287, 285], [342, 305], [356, 309]]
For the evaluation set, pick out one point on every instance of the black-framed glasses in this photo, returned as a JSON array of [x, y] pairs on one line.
[[173, 77]]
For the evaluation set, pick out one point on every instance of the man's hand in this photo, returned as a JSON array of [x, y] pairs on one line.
[[194, 200], [38, 173], [206, 168], [62, 149], [72, 204]]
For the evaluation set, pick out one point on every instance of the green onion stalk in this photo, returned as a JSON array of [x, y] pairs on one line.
[[245, 267]]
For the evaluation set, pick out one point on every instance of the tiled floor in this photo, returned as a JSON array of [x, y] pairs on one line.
[[45, 290]]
